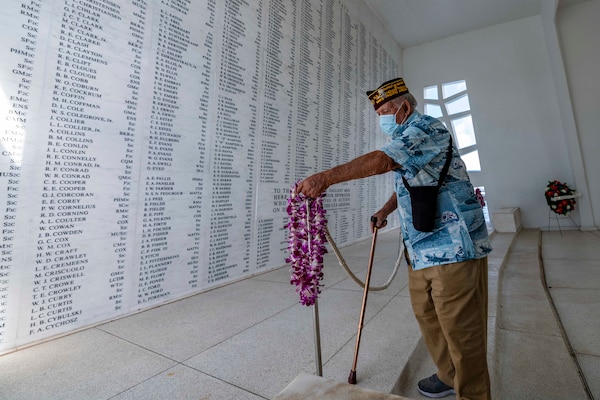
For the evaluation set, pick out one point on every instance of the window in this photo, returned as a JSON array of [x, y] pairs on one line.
[[458, 105], [449, 102], [464, 132], [486, 210], [472, 159], [434, 110], [454, 110], [431, 93], [452, 88]]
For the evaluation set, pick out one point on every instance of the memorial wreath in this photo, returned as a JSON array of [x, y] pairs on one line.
[[560, 197]]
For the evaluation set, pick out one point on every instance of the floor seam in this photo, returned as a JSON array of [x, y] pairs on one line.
[[561, 327], [528, 332], [136, 344]]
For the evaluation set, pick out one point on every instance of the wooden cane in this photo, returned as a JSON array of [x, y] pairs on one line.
[[352, 377]]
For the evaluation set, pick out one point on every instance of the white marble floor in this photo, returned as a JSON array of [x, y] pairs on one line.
[[250, 339]]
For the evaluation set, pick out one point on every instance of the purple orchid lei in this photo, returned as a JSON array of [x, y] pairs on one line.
[[306, 244]]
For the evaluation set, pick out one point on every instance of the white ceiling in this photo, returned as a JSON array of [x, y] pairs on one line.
[[413, 22]]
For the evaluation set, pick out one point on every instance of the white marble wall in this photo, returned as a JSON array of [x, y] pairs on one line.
[[147, 147]]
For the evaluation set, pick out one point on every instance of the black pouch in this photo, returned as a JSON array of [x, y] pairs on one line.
[[423, 199]]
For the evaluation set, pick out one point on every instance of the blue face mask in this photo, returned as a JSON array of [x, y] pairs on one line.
[[388, 123]]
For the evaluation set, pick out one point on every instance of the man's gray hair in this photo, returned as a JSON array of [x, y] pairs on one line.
[[407, 96], [411, 99]]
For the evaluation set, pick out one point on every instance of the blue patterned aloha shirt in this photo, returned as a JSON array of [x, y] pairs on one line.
[[460, 233]]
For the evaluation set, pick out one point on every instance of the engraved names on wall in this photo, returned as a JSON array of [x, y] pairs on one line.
[[147, 147]]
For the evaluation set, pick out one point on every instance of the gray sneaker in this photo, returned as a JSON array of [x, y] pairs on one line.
[[434, 388]]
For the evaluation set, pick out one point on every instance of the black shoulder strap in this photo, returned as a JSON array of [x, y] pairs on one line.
[[447, 164], [444, 169]]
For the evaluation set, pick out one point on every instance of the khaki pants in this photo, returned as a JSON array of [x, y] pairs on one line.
[[450, 304]]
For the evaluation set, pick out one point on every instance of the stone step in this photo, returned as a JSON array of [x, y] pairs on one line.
[[312, 387], [531, 359]]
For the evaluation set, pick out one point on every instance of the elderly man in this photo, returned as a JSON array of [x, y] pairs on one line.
[[446, 241]]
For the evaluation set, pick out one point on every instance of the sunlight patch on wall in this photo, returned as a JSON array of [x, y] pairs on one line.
[[13, 126]]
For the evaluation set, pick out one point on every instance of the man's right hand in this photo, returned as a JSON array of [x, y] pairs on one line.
[[373, 163], [314, 185]]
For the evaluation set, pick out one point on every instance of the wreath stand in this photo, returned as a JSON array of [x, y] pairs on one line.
[[557, 199], [318, 362]]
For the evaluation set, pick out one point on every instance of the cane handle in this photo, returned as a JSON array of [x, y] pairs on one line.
[[374, 221]]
